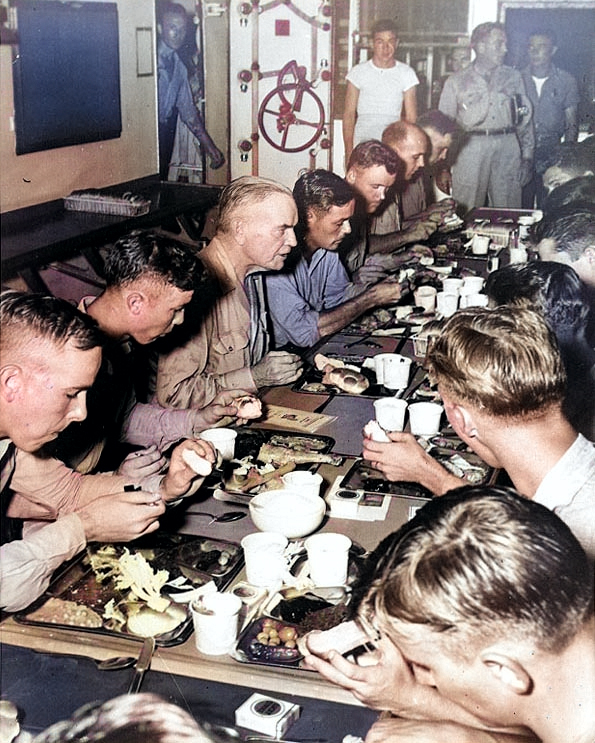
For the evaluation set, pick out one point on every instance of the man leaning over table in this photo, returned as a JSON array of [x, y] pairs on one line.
[[372, 171], [313, 297], [150, 279], [230, 349], [481, 611], [49, 356], [502, 382]]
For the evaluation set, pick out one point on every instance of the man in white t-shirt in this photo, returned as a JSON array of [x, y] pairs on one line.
[[379, 91]]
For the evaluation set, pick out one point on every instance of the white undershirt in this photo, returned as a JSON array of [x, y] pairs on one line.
[[539, 81]]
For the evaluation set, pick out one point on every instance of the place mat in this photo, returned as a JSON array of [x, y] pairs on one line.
[[294, 419], [351, 414]]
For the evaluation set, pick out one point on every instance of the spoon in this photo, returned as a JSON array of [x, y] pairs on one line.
[[116, 663], [222, 518]]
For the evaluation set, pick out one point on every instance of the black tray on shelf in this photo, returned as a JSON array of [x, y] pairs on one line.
[[196, 557]]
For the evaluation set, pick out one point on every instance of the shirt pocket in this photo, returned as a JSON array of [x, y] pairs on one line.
[[230, 351]]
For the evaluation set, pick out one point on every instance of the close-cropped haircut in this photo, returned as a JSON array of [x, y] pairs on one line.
[[243, 193], [572, 229], [320, 190], [170, 8], [132, 718], [372, 153], [576, 158], [481, 563], [147, 254], [554, 289], [505, 361], [437, 121], [547, 33], [384, 24], [482, 32], [27, 316], [579, 191]]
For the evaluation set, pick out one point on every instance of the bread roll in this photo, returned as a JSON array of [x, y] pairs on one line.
[[197, 464], [147, 622], [347, 380], [342, 638], [324, 363], [373, 430], [248, 406]]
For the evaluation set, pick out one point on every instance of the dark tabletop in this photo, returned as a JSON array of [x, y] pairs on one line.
[[47, 688]]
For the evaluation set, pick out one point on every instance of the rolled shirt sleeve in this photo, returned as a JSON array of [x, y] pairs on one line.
[[27, 565], [297, 298]]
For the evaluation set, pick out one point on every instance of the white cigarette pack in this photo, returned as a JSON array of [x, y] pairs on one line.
[[267, 715]]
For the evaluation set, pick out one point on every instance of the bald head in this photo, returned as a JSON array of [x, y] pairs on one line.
[[410, 143]]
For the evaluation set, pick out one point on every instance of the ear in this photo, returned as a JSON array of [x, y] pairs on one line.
[[350, 176], [135, 302], [11, 382], [460, 418], [238, 230], [508, 671], [590, 254]]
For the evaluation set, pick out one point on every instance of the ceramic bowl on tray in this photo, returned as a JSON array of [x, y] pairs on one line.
[[288, 512]]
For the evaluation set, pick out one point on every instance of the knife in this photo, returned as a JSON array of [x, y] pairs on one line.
[[142, 664]]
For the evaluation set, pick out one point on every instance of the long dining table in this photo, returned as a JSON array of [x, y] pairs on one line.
[[41, 662]]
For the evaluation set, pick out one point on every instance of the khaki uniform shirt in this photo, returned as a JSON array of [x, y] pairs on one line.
[[220, 354]]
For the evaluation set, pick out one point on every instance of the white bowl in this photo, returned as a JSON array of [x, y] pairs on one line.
[[287, 512]]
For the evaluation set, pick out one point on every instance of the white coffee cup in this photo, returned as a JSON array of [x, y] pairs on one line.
[[524, 223], [303, 481], [480, 244], [518, 255], [473, 284], [264, 558], [447, 304], [424, 418], [425, 296], [223, 439], [390, 413], [379, 366], [328, 558], [452, 285], [215, 617], [396, 371], [477, 300]]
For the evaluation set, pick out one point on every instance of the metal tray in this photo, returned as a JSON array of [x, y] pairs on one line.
[[363, 477], [195, 557]]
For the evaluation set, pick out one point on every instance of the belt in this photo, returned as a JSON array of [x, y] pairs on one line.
[[492, 132]]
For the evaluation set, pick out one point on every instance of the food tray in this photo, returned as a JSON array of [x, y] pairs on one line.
[[363, 477], [310, 611], [195, 557], [98, 202], [249, 440], [310, 383]]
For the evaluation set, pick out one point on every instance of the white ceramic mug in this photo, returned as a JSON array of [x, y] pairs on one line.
[[328, 558], [390, 413], [480, 244], [396, 372], [452, 285], [473, 284], [264, 558], [303, 481], [379, 366], [447, 304], [215, 617], [424, 418], [425, 296], [477, 300], [223, 439]]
